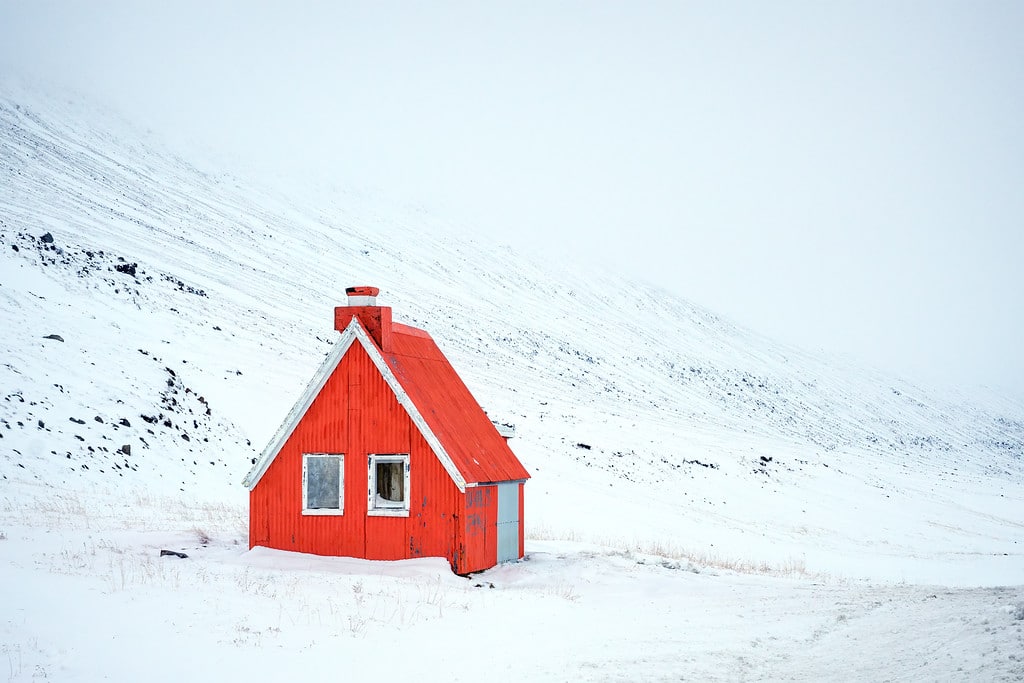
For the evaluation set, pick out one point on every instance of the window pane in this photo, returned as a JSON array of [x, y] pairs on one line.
[[391, 481], [323, 479]]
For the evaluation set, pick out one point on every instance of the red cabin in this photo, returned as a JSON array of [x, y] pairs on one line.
[[388, 456]]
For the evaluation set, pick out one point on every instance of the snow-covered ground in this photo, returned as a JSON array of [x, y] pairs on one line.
[[706, 503], [92, 604]]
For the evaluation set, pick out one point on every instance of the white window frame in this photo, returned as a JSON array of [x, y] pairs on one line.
[[340, 510], [391, 509]]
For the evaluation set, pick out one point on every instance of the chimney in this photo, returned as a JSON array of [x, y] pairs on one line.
[[362, 304]]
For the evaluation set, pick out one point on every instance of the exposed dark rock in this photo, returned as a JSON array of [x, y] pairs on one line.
[[709, 465], [182, 287], [126, 449], [56, 337], [46, 239], [124, 422], [172, 553], [98, 419], [77, 421], [127, 268]]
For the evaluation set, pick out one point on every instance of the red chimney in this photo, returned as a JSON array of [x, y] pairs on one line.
[[362, 304]]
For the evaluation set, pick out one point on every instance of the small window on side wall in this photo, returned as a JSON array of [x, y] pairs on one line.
[[323, 484], [389, 485]]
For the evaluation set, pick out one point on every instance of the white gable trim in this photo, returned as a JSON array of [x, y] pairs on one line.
[[299, 409], [406, 402], [353, 333]]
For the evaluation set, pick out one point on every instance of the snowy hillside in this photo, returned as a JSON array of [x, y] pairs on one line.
[[160, 319]]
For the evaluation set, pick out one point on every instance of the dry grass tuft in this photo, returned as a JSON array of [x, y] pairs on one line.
[[673, 553]]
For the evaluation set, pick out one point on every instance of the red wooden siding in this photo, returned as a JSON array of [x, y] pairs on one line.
[[351, 408], [356, 414], [480, 516]]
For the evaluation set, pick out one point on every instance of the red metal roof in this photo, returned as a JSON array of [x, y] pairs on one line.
[[473, 443]]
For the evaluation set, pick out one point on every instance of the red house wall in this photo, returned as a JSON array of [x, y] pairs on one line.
[[480, 514], [357, 414]]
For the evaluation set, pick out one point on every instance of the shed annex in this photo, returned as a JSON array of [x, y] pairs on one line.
[[387, 456]]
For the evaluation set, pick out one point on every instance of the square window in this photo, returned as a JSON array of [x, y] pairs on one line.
[[323, 484], [389, 485]]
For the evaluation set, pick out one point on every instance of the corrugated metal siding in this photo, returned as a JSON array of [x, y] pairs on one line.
[[356, 413], [507, 524], [478, 451], [508, 503], [434, 505], [522, 523], [481, 515]]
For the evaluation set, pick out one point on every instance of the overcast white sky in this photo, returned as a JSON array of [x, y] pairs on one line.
[[847, 176]]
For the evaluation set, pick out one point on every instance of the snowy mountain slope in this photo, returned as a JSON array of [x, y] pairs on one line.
[[194, 307], [734, 487]]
